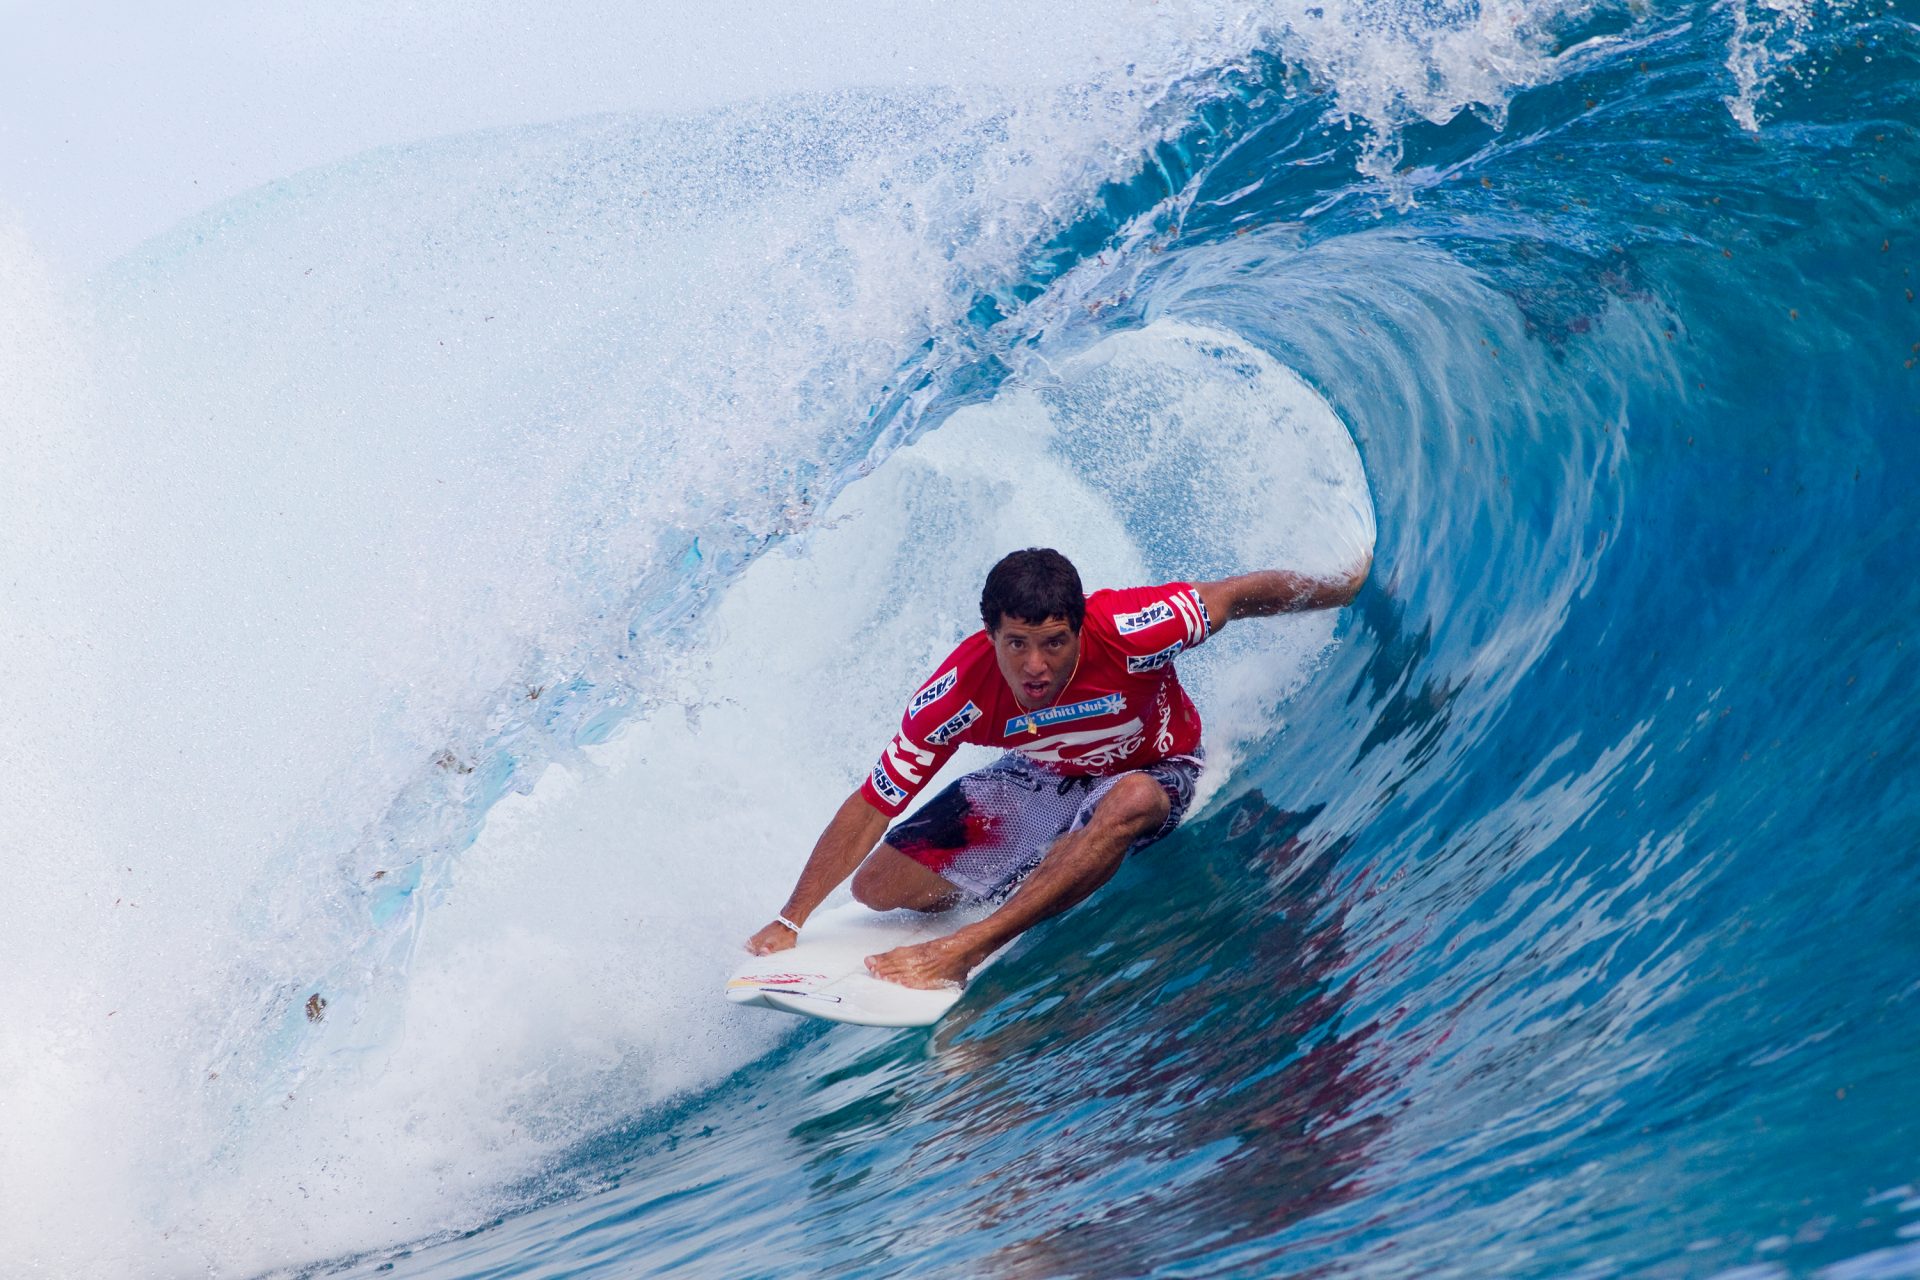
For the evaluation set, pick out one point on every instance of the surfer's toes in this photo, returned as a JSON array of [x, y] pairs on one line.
[[922, 966]]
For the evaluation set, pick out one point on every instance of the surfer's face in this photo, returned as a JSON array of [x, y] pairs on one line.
[[1036, 658]]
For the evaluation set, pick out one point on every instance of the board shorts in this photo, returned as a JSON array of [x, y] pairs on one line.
[[985, 831]]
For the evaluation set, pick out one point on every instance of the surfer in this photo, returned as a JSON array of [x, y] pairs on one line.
[[1102, 753]]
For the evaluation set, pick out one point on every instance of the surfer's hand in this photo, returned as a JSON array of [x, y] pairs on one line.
[[773, 937]]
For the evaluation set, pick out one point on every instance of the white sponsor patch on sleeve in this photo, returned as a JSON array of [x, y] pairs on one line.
[[1155, 661], [889, 790], [955, 725], [1157, 612], [931, 693]]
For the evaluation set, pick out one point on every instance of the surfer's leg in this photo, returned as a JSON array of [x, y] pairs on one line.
[[1176, 776], [889, 880], [1081, 861], [971, 840], [1135, 806]]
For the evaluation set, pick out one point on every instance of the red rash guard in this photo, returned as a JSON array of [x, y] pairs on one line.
[[1122, 709]]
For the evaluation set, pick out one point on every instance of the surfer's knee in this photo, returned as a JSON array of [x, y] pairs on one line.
[[872, 891], [889, 880], [1133, 804]]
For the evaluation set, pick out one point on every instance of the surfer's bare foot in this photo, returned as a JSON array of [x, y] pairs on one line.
[[940, 963]]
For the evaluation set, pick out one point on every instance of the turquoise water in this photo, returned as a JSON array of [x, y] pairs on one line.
[[1567, 927], [1560, 921]]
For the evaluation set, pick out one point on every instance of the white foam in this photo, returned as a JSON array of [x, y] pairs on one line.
[[318, 492], [570, 978], [1768, 38], [313, 489]]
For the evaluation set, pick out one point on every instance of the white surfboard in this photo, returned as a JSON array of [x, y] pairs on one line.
[[824, 975]]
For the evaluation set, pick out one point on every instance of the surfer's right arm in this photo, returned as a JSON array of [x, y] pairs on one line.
[[849, 837], [937, 717]]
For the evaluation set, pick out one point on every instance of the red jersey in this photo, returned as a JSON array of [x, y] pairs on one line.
[[1122, 709]]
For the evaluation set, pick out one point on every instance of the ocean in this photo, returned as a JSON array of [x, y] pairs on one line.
[[449, 588]]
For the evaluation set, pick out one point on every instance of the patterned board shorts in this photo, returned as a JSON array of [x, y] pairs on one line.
[[988, 829]]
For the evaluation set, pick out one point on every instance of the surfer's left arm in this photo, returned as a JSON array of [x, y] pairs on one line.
[[855, 828], [1271, 591]]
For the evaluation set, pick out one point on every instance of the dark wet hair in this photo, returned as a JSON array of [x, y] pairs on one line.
[[1033, 586]]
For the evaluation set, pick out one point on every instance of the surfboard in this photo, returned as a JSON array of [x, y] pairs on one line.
[[824, 975]]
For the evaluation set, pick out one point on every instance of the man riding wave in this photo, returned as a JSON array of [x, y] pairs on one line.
[[1102, 754]]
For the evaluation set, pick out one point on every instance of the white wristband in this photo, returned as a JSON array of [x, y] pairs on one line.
[[790, 924]]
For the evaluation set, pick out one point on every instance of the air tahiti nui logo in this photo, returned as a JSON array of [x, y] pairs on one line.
[[1035, 721]]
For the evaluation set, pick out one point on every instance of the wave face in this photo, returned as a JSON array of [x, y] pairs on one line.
[[480, 568]]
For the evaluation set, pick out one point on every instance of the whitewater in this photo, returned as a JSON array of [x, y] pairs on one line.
[[446, 582]]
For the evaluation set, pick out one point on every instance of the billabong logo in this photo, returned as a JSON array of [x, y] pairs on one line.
[[955, 726], [889, 790], [1091, 747], [1034, 721], [1155, 661], [932, 693], [1158, 611], [1113, 753]]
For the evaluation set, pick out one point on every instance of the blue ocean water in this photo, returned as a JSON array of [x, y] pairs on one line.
[[1560, 922], [1567, 928]]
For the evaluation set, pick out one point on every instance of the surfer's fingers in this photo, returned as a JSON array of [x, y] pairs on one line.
[[772, 938]]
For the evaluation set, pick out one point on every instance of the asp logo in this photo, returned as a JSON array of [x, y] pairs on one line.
[[889, 790], [955, 726], [941, 686], [1155, 661], [1158, 611]]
